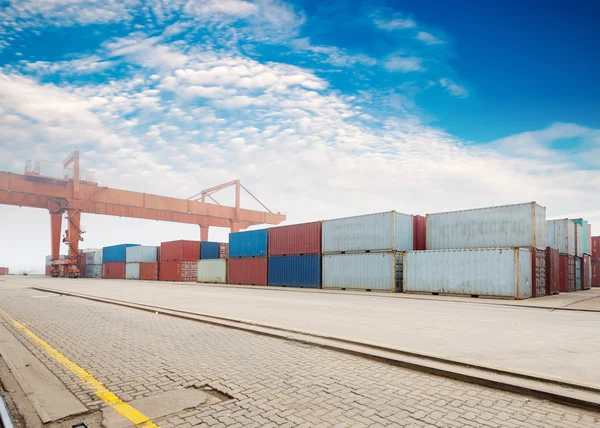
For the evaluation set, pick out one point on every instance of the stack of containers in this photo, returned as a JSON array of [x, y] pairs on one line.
[[248, 257], [581, 243], [496, 251], [223, 250], [142, 263], [212, 267], [560, 234], [93, 264], [295, 255], [114, 259], [595, 262], [81, 262], [3, 271], [179, 261], [365, 252]]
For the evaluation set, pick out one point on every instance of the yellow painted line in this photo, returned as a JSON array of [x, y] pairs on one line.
[[129, 412]]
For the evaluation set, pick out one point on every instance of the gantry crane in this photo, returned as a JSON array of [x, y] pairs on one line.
[[74, 196]]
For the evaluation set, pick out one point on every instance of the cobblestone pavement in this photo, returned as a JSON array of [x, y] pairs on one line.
[[273, 382]]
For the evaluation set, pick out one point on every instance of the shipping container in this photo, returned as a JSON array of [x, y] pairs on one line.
[[93, 258], [494, 272], [595, 274], [585, 237], [93, 271], [538, 265], [578, 240], [3, 271], [596, 248], [180, 250], [141, 254], [49, 268], [381, 232], [149, 271], [252, 243], [132, 271], [181, 271], [113, 270], [586, 272], [521, 225], [589, 239], [223, 250], [81, 263], [377, 271], [115, 253], [567, 273], [212, 271], [249, 271], [295, 271], [552, 271], [209, 250], [578, 273], [560, 234], [419, 233], [295, 239]]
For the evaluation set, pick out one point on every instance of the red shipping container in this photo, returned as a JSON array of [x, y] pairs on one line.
[[113, 270], [250, 271], [596, 248], [419, 232], [585, 272], [567, 273], [538, 267], [149, 271], [295, 239], [223, 250], [48, 269], [595, 274], [179, 250], [81, 264], [180, 271], [552, 271]]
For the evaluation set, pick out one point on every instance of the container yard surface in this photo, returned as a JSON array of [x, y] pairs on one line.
[[172, 372]]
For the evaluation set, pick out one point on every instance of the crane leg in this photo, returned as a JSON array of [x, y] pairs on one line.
[[74, 217], [55, 232], [204, 233], [235, 227]]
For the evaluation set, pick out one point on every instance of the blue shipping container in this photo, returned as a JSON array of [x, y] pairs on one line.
[[248, 244], [295, 271], [116, 253], [209, 250]]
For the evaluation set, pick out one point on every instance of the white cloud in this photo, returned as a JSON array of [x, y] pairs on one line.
[[147, 51], [212, 8], [332, 54], [396, 23], [454, 88], [428, 38], [84, 65], [404, 64]]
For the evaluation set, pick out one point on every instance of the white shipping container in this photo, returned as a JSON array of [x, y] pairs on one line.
[[212, 270], [560, 234], [132, 271], [93, 258], [141, 254], [578, 240], [93, 271], [372, 232], [521, 225], [363, 271], [497, 272]]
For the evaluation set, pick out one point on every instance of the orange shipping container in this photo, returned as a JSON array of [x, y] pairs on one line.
[[249, 271], [183, 271], [113, 270], [149, 271], [179, 250]]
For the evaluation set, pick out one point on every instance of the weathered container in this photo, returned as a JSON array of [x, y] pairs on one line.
[[212, 271], [377, 271], [590, 238], [538, 265], [560, 234], [381, 232], [249, 271], [419, 233], [115, 253], [552, 271], [295, 239], [295, 271], [586, 272], [596, 248], [595, 273], [521, 225], [93, 271], [181, 271], [93, 258], [113, 270], [578, 240], [149, 271], [141, 254], [567, 273], [252, 243], [132, 271], [585, 235], [49, 268], [81, 263], [497, 272], [209, 250], [578, 273], [223, 250], [3, 271], [180, 250]]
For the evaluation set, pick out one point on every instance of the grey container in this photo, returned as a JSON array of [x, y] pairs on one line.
[[497, 272], [141, 254], [560, 234], [93, 258], [363, 271], [387, 231], [132, 271], [578, 240], [520, 225], [93, 271]]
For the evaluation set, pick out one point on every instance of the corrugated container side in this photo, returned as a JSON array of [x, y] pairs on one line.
[[552, 271], [589, 239], [249, 271], [376, 271], [498, 272], [149, 271], [209, 250], [116, 253], [539, 272], [578, 240], [578, 273], [212, 271], [93, 258], [169, 271], [585, 238], [223, 250], [572, 274], [596, 274], [295, 239], [93, 271], [518, 225], [596, 248], [560, 234], [586, 272], [141, 254], [252, 243], [189, 270], [419, 233], [295, 271], [179, 250], [132, 271], [113, 270]]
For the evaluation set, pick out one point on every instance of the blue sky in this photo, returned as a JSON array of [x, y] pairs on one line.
[[343, 107]]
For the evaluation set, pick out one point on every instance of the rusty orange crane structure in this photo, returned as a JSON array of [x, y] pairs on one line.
[[74, 196]]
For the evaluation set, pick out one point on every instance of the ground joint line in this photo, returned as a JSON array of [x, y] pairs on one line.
[[124, 409]]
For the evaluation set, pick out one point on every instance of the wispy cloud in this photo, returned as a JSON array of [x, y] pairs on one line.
[[404, 64], [396, 22], [454, 88], [428, 38], [332, 54]]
